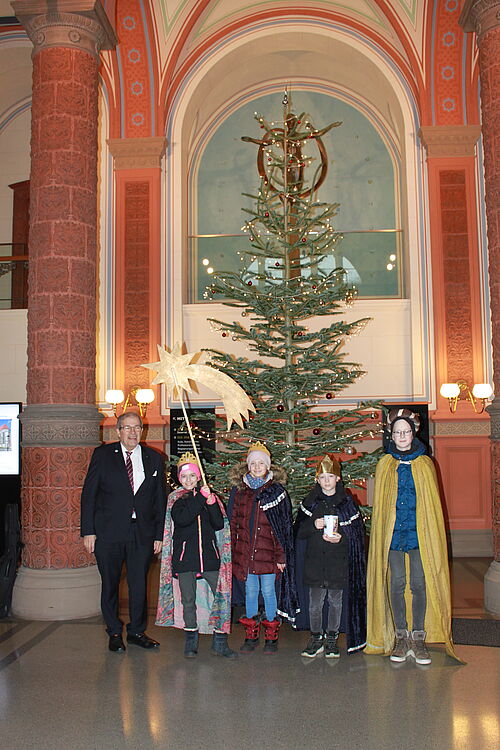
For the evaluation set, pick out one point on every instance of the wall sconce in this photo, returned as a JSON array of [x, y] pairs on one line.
[[143, 397], [481, 392]]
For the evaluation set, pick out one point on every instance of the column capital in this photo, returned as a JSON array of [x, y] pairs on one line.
[[450, 140], [480, 16], [54, 425], [80, 24], [137, 153]]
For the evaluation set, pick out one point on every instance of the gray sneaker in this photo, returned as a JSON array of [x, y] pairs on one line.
[[315, 646], [331, 645], [401, 646], [418, 649]]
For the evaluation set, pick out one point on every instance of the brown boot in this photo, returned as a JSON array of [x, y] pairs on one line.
[[252, 630], [271, 636]]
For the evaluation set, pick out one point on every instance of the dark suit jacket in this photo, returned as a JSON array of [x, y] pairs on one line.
[[108, 500]]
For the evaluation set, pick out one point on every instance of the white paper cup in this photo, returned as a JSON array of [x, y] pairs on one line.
[[331, 524]]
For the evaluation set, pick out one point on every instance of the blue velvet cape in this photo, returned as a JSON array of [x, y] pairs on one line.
[[353, 622], [274, 501]]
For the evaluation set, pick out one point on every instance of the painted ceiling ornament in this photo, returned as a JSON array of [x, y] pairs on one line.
[[178, 371]]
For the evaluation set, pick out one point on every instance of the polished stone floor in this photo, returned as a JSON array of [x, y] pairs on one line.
[[60, 688]]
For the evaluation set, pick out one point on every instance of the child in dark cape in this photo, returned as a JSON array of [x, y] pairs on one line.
[[331, 564]]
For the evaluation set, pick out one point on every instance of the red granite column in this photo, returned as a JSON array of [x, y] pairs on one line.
[[57, 579], [483, 17]]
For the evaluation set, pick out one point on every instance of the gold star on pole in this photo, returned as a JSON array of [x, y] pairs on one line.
[[176, 370]]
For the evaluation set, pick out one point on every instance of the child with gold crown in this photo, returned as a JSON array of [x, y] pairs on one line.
[[195, 575], [331, 564], [262, 547]]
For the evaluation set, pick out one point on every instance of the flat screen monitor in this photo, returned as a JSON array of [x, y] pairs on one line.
[[9, 439]]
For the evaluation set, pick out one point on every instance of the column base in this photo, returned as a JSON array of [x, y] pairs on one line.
[[492, 589], [67, 594]]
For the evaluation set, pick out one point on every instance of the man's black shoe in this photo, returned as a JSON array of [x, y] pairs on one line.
[[116, 643], [142, 640]]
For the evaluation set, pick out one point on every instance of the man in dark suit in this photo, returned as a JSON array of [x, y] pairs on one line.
[[122, 518]]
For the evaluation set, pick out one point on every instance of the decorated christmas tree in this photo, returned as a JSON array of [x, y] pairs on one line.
[[291, 298]]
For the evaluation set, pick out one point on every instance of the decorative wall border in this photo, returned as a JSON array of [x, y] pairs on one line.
[[50, 425]]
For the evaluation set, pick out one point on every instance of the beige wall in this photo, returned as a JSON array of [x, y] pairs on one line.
[[13, 356]]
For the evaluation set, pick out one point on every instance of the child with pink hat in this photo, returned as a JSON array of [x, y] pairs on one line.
[[196, 563]]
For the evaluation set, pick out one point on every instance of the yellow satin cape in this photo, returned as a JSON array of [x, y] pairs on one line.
[[433, 551]]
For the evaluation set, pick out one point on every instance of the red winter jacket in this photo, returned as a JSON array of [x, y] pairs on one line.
[[259, 552]]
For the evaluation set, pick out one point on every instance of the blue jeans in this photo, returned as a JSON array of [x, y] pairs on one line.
[[266, 583]]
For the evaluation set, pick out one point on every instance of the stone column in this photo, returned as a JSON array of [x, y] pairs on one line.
[[483, 17], [57, 579]]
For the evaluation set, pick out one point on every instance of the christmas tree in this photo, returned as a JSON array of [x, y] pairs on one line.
[[291, 298]]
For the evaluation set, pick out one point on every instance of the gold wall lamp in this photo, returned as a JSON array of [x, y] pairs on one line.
[[142, 397], [455, 392]]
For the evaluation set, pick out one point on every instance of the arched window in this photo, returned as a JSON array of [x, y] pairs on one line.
[[363, 177]]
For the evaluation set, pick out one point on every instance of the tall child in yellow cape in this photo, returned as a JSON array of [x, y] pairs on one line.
[[407, 533]]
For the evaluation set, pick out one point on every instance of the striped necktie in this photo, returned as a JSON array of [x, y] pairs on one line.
[[130, 469]]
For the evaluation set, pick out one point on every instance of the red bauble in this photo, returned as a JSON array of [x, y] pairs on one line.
[[280, 407], [224, 334], [329, 395], [304, 239], [249, 283], [316, 431]]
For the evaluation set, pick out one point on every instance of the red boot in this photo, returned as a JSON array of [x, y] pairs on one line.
[[252, 630], [271, 636]]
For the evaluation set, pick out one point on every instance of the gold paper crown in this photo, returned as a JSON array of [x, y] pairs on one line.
[[187, 458], [328, 465], [258, 446]]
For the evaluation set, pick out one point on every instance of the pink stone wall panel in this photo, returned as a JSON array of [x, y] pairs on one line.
[[456, 275], [52, 481], [136, 323]]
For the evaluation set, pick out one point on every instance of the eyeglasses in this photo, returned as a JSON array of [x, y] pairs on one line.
[[402, 433], [132, 428]]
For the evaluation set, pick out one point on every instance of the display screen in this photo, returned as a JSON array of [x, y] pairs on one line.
[[9, 438]]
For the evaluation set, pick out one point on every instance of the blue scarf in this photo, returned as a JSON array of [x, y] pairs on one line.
[[256, 482]]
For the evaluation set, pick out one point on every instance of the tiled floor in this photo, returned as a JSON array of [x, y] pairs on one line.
[[467, 575], [60, 688]]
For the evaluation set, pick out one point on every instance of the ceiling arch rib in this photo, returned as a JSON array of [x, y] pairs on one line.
[[397, 26]]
